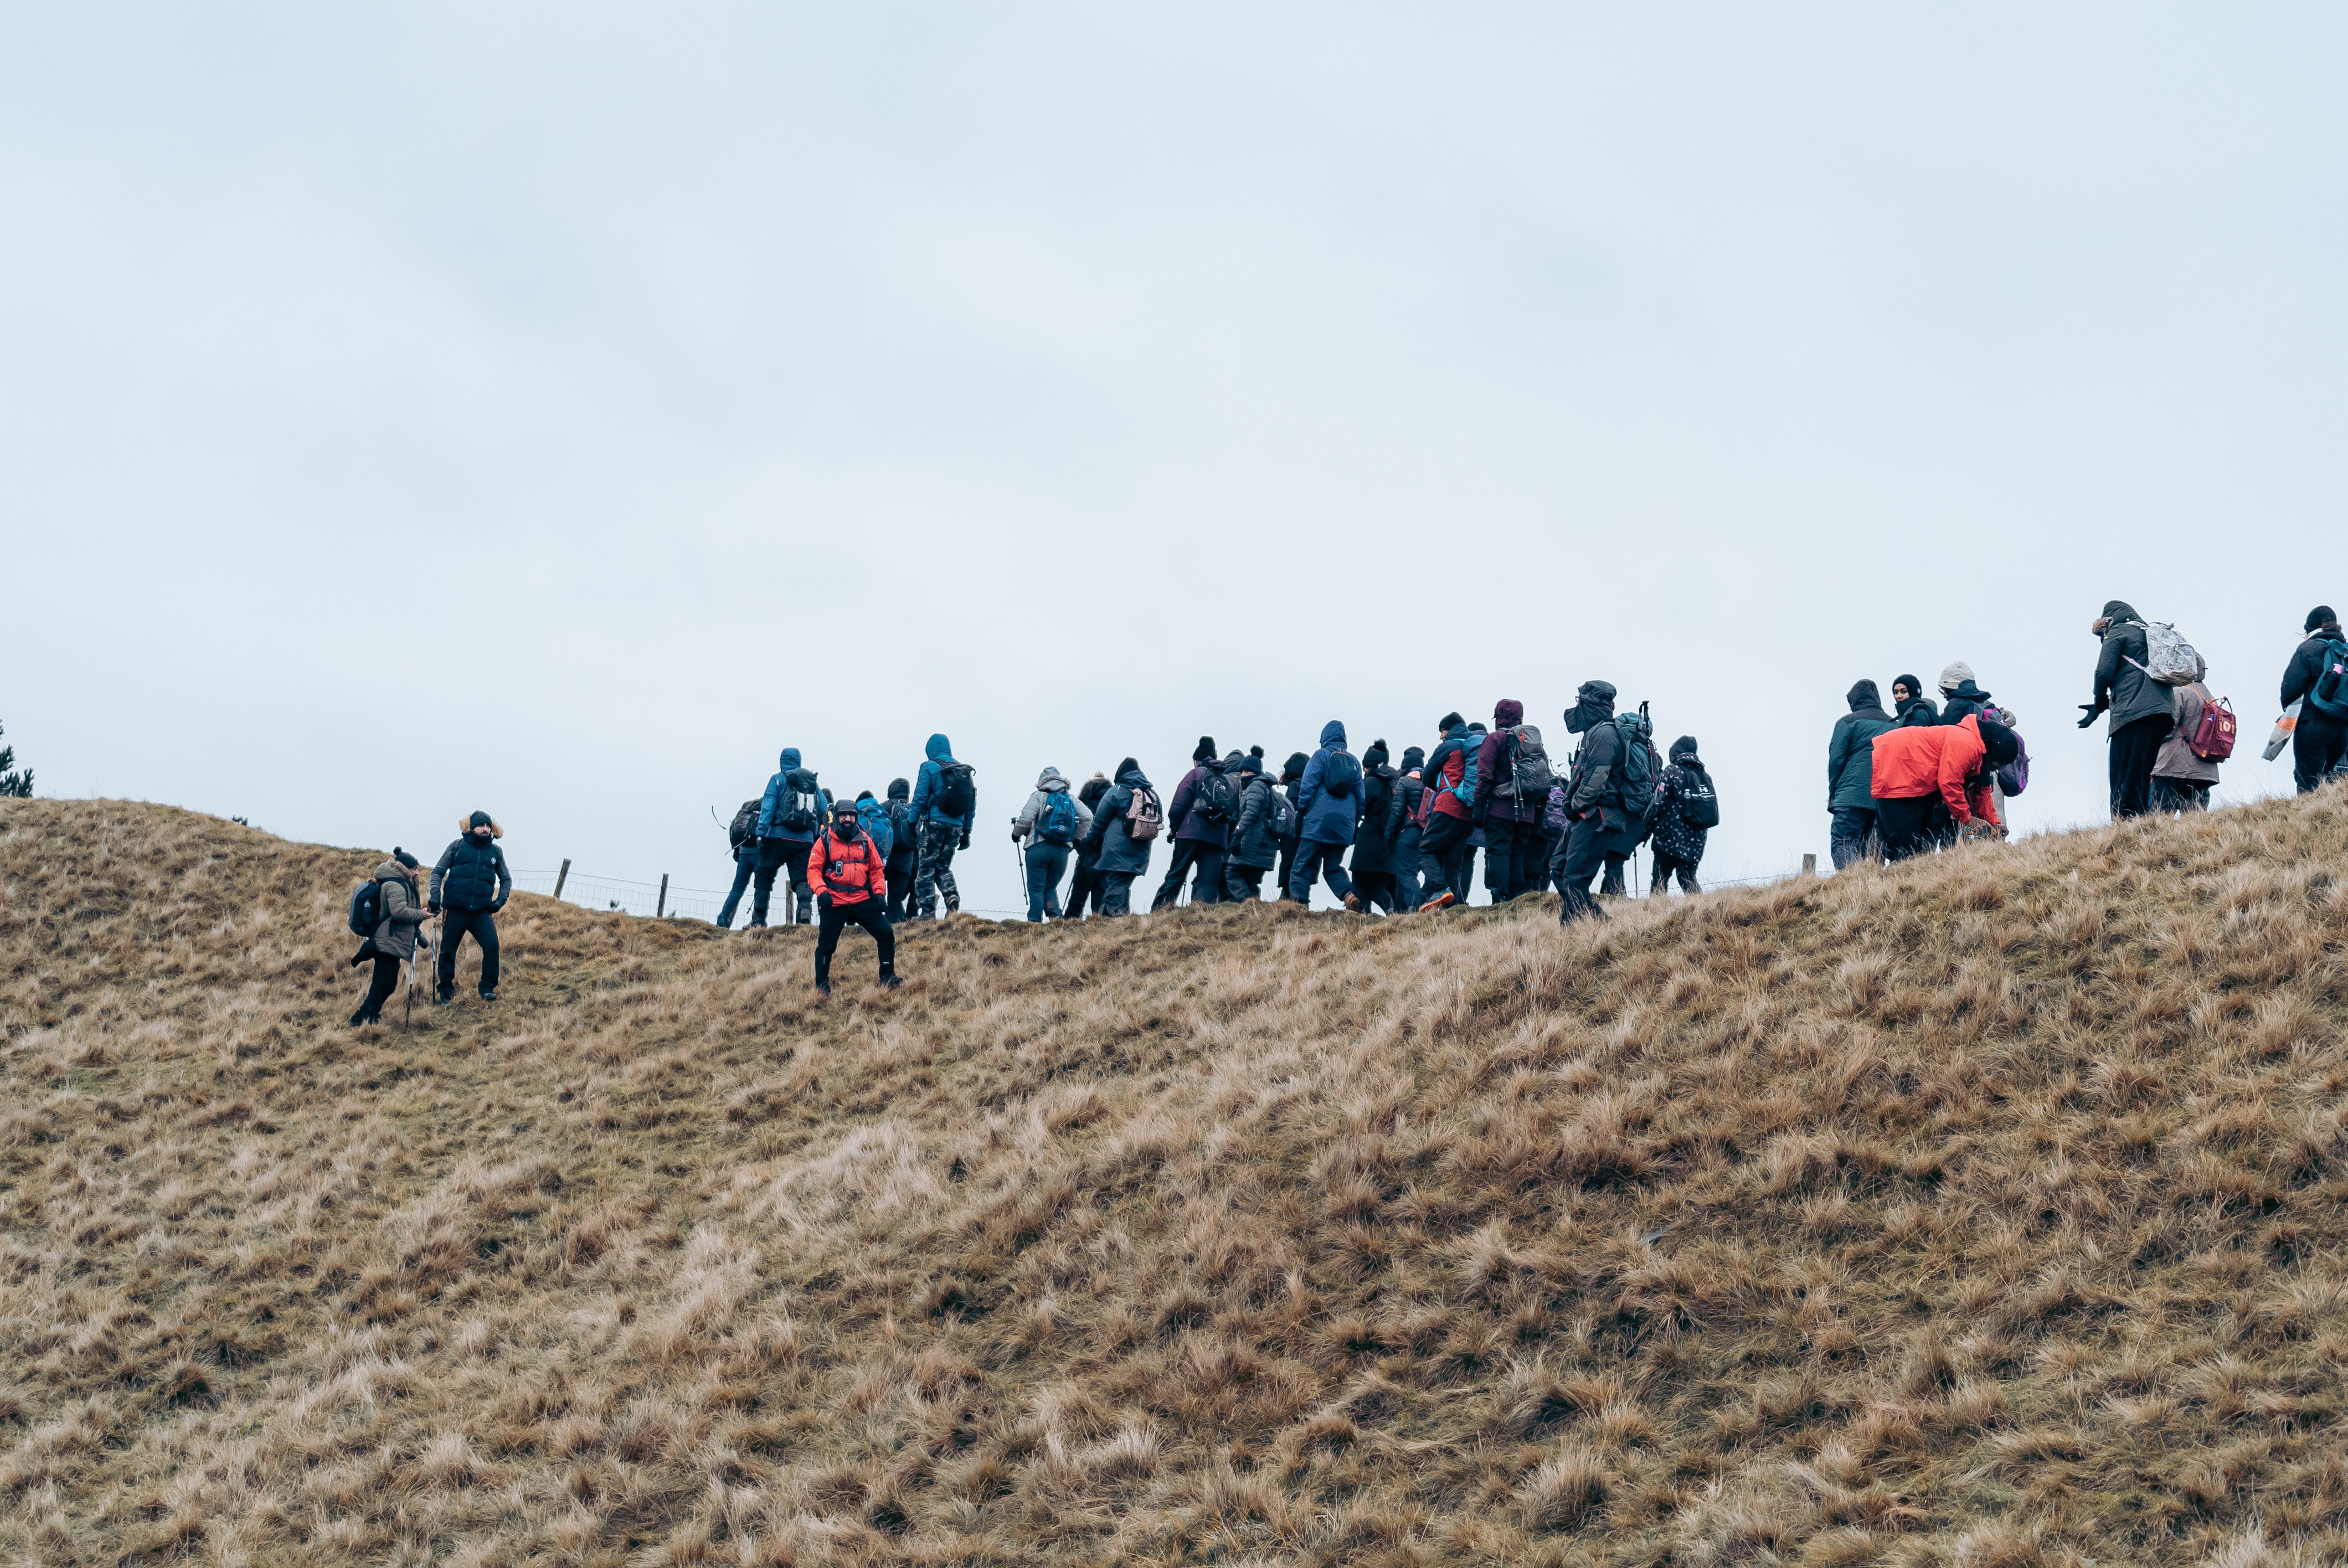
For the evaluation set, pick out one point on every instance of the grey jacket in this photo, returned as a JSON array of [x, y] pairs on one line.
[[394, 934], [2178, 760], [1254, 843], [2120, 680], [1048, 783]]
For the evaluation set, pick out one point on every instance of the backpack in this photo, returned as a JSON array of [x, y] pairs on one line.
[[1283, 813], [1144, 816], [2168, 658], [1634, 772], [745, 826], [956, 792], [2213, 738], [2329, 695], [1216, 799], [1056, 823], [1340, 774], [366, 907], [1528, 770], [801, 808], [1699, 806]]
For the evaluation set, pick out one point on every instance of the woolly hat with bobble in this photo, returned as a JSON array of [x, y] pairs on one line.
[[403, 858], [1204, 752], [1375, 757]]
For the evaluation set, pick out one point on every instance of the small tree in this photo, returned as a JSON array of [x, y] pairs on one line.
[[14, 781]]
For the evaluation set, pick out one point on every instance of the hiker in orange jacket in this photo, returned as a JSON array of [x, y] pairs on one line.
[[850, 876], [1924, 775]]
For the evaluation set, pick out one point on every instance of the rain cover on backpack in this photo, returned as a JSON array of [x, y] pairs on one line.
[[2168, 658]]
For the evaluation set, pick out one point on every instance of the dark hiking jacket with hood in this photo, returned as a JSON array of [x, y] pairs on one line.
[[1851, 749], [1326, 818], [471, 873], [901, 820], [771, 807], [1183, 820], [1048, 783], [1674, 835], [1495, 767], [1372, 850], [2307, 663], [2121, 683], [1118, 849], [928, 783], [403, 912], [1254, 841]]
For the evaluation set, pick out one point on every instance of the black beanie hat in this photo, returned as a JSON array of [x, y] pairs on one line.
[[403, 858], [1294, 767], [1449, 722], [1997, 742], [1250, 765], [2321, 616], [899, 789], [1412, 757], [1910, 682], [479, 819], [1375, 757], [1204, 751]]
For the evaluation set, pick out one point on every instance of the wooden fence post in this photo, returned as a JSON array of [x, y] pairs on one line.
[[1810, 865], [659, 906], [560, 878]]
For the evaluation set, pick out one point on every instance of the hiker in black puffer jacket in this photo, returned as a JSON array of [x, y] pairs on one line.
[[1085, 886], [393, 941], [903, 846], [472, 884], [1292, 778], [1255, 845], [1401, 826], [2318, 740], [1373, 868], [1679, 842]]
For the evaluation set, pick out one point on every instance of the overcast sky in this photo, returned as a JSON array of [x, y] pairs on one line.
[[559, 409]]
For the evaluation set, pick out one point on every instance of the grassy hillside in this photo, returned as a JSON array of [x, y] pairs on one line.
[[1988, 1211]]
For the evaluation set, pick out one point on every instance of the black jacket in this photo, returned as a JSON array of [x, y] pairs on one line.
[[1851, 750], [2306, 664], [2121, 684], [1917, 711], [1253, 844], [1402, 810], [471, 874], [1373, 849]]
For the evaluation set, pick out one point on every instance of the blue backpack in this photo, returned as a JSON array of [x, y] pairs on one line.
[[2329, 695], [1341, 776], [1056, 823]]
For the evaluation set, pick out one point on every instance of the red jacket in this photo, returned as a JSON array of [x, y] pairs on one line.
[[850, 873], [1444, 778], [1915, 761]]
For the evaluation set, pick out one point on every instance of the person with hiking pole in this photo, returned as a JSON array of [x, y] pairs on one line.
[[1200, 816], [470, 883], [1512, 786], [393, 939], [945, 803], [850, 874], [1052, 823]]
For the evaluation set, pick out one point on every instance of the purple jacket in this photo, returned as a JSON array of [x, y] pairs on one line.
[[1491, 769], [1188, 824]]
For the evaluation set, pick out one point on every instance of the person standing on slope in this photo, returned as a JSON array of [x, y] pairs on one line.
[[1127, 823], [1401, 827], [472, 884], [1607, 799], [1292, 778], [945, 803], [1373, 868], [1909, 703], [905, 847], [1679, 823], [1448, 816], [790, 813], [393, 941], [879, 826], [851, 875], [1961, 695], [1512, 786], [1328, 809], [1850, 773], [1923, 773], [2142, 709], [1052, 823], [1255, 833], [2319, 739], [2182, 777], [1085, 886], [1200, 816]]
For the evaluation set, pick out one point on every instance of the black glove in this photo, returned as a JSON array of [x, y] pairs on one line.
[[2093, 710], [823, 900], [498, 906], [432, 909], [964, 843]]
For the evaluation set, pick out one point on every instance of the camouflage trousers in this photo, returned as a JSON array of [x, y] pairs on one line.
[[934, 869]]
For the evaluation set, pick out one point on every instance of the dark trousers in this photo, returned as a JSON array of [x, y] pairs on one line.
[[1846, 839], [1405, 866], [2135, 746], [1208, 860], [1047, 864], [774, 854], [1287, 866], [2317, 744], [1511, 858], [1668, 866], [933, 868], [899, 872], [1909, 826], [1379, 890], [456, 923], [1243, 883], [379, 989], [1614, 883], [1313, 859], [865, 912], [1442, 856], [746, 865], [1086, 887], [1580, 857], [1117, 892], [2179, 794]]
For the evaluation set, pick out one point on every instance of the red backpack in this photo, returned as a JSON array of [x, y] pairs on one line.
[[2213, 738]]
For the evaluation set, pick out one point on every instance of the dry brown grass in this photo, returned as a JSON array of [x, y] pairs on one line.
[[1981, 1212]]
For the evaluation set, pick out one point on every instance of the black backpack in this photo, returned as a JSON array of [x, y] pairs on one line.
[[1699, 806], [366, 907], [1216, 799], [801, 805], [956, 792], [1340, 774], [745, 826], [1635, 766]]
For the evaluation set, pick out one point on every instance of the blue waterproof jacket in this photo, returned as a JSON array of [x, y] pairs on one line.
[[926, 784], [1326, 818], [771, 806], [874, 815]]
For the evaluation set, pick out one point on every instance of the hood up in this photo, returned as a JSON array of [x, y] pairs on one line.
[[791, 758], [1863, 696], [1049, 781], [1508, 713], [1333, 734], [939, 750]]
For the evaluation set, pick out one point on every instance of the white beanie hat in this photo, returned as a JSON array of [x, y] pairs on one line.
[[1955, 675]]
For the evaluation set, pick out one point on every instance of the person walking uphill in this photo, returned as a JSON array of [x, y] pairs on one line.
[[1328, 811], [2321, 736], [2142, 710], [1924, 773], [1686, 810], [790, 813], [1850, 773], [470, 883], [1126, 826], [1200, 814], [1291, 779], [1607, 799], [945, 803], [393, 941], [1052, 824], [1512, 786], [1256, 835], [1085, 884], [852, 874], [904, 847], [2182, 776], [1401, 826], [1447, 816], [1372, 867]]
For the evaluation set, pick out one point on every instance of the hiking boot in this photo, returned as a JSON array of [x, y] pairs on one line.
[[954, 904], [1353, 903], [1440, 901], [823, 989], [445, 997], [487, 995], [361, 1019], [891, 982]]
